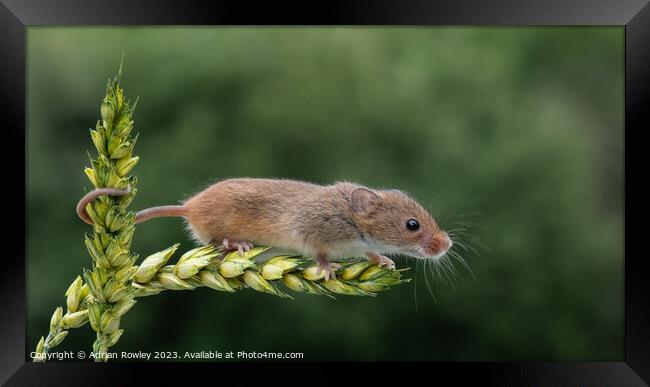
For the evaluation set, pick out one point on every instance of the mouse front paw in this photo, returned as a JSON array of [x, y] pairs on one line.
[[239, 246], [324, 265], [381, 260]]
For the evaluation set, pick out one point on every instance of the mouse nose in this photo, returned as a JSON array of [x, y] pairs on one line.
[[441, 243], [445, 242]]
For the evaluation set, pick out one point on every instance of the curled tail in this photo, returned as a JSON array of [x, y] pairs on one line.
[[141, 216]]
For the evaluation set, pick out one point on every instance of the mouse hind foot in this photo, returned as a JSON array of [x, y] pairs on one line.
[[239, 246], [328, 267]]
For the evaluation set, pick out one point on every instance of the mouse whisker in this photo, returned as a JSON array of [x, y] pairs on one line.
[[415, 287], [455, 273], [460, 259], [461, 245], [480, 244], [449, 268], [459, 222], [426, 280], [466, 240], [472, 249], [466, 214], [439, 270], [438, 275]]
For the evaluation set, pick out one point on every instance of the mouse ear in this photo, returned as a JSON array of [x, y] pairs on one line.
[[362, 200]]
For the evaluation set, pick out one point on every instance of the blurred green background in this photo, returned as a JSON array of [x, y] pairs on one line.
[[515, 134]]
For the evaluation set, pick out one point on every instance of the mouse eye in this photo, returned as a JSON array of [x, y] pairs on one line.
[[412, 224]]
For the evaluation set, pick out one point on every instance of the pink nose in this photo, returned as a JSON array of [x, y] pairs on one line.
[[445, 242], [441, 243]]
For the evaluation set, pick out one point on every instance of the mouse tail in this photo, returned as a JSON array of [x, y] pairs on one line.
[[94, 194], [141, 216], [159, 212]]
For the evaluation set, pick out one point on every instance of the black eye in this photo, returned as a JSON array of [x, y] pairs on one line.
[[412, 224]]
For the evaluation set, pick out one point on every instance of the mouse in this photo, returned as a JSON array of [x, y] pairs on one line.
[[328, 222]]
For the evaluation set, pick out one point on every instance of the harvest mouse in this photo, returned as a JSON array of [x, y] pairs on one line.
[[327, 222]]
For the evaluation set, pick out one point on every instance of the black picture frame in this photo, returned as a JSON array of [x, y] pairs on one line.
[[632, 15]]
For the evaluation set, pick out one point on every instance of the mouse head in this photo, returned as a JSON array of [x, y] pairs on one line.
[[397, 223]]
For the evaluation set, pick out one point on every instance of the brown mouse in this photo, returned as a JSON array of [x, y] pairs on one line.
[[327, 222]]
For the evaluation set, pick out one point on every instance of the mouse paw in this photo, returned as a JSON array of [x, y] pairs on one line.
[[239, 246], [381, 260], [328, 267]]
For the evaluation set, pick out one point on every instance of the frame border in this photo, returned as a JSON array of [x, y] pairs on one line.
[[634, 15]]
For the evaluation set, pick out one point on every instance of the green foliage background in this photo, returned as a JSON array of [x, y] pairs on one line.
[[516, 131]]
